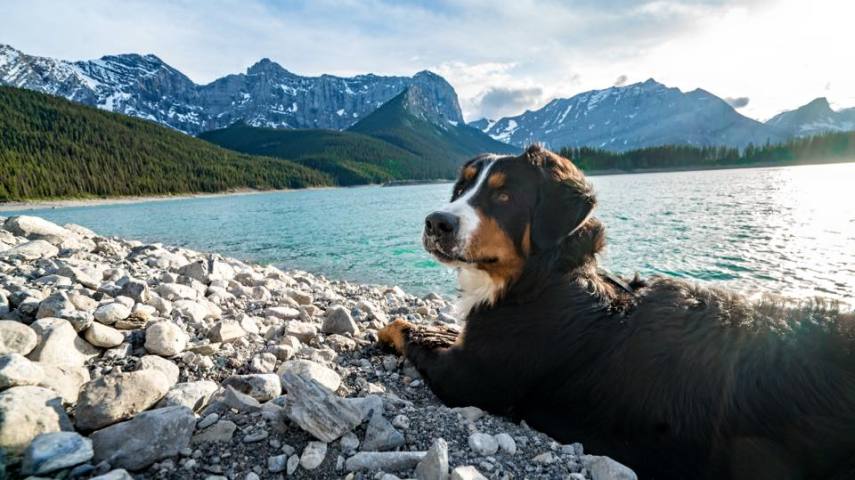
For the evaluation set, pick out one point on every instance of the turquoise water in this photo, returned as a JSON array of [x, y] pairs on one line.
[[785, 230]]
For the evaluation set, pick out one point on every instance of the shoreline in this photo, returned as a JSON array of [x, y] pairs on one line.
[[39, 204]]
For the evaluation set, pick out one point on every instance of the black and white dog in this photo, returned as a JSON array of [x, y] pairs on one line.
[[675, 380]]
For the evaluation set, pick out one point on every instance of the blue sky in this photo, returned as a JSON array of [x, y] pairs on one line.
[[502, 57]]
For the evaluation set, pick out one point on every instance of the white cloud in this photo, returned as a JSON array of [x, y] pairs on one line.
[[779, 53]]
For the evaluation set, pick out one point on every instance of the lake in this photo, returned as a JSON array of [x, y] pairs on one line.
[[785, 230]]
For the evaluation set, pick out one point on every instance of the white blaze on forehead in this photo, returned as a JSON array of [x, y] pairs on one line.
[[465, 211]]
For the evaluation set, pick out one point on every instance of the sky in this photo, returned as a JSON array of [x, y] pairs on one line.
[[763, 56]]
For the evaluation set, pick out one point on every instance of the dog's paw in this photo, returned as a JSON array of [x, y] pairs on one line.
[[395, 334]]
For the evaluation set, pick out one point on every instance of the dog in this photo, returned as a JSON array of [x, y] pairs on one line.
[[673, 379]]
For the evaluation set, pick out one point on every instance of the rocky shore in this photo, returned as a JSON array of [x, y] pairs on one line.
[[124, 360]]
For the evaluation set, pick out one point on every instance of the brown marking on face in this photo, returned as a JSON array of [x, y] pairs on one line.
[[469, 172], [496, 180], [490, 241]]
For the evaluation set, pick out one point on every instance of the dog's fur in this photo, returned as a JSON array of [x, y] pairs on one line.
[[675, 380]]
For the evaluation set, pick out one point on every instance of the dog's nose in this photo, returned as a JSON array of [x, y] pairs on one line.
[[441, 224]]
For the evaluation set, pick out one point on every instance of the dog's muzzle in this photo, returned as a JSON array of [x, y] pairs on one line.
[[441, 235]]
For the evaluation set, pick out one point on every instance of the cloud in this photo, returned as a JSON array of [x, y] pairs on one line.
[[737, 102], [497, 102], [621, 81]]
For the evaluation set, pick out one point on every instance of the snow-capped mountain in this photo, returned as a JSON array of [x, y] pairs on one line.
[[814, 118], [266, 95], [634, 116]]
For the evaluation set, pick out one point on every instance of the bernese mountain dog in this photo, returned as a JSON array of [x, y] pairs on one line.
[[673, 379]]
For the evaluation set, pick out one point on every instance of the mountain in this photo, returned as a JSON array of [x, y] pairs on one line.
[[350, 158], [407, 138], [814, 118], [634, 116], [51, 147], [266, 95], [482, 124], [406, 121]]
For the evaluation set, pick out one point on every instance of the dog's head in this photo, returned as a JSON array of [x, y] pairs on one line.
[[505, 211]]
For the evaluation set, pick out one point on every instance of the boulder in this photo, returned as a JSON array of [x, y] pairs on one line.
[[260, 386], [164, 366], [176, 291], [33, 227], [112, 398], [380, 435], [25, 412], [313, 371], [483, 444], [284, 313], [59, 344], [17, 370], [604, 468], [145, 439], [226, 331], [313, 455], [466, 472], [303, 331], [221, 431], [338, 320], [111, 313], [193, 395], [31, 250], [434, 466], [16, 337], [165, 338], [103, 336], [318, 410], [54, 451], [66, 380]]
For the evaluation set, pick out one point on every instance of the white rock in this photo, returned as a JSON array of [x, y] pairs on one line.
[[338, 320], [103, 336], [285, 313], [28, 226], [263, 363], [117, 474], [483, 444], [66, 380], [193, 395], [226, 331], [467, 472], [165, 338], [59, 343], [313, 455], [303, 331], [260, 386], [177, 291], [435, 464], [112, 398], [54, 451], [312, 370], [385, 461], [111, 313], [164, 366], [26, 412], [31, 250], [17, 370], [190, 309], [604, 468], [506, 443], [15, 337]]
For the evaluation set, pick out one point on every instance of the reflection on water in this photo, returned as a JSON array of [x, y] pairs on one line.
[[783, 230]]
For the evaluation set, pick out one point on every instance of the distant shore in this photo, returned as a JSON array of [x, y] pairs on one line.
[[92, 202]]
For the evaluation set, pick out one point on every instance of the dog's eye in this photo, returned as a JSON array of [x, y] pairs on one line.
[[502, 197]]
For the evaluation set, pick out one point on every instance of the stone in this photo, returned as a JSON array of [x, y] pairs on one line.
[[56, 305], [197, 270], [165, 338], [222, 431], [506, 443], [17, 370], [26, 412], [401, 421], [312, 370], [284, 313], [380, 435], [117, 474], [103, 336], [303, 331], [176, 291], [277, 463], [112, 398], [193, 395], [546, 458], [16, 337], [145, 439], [82, 302], [66, 380], [89, 278], [313, 455], [59, 343], [136, 289], [471, 414], [111, 313], [240, 401], [31, 250], [260, 386], [338, 320], [604, 468], [349, 442], [293, 463], [483, 444], [467, 472], [54, 451], [207, 420], [29, 226], [263, 362], [256, 437], [384, 461], [226, 331], [191, 309], [434, 466], [318, 410], [164, 366]]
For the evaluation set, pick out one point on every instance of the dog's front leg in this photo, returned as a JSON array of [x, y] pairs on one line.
[[447, 368]]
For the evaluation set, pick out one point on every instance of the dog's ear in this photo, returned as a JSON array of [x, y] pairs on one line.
[[565, 199]]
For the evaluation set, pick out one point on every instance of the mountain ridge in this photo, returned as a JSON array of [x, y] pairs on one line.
[[814, 117]]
